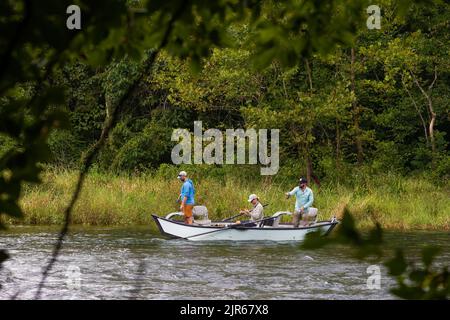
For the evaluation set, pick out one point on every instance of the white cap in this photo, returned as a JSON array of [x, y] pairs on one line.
[[182, 174], [252, 197]]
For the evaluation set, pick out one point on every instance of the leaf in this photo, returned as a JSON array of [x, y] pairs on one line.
[[418, 276], [348, 230], [397, 265], [376, 235], [3, 256], [11, 208], [410, 293], [314, 240], [428, 254]]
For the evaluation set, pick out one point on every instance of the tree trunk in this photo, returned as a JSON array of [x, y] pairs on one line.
[[432, 114], [308, 71], [424, 125], [431, 129]]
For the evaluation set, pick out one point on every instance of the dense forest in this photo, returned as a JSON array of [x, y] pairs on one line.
[[381, 104]]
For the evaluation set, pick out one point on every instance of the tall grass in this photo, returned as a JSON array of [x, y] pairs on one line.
[[396, 202]]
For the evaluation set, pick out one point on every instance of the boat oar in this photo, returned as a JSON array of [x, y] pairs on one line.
[[238, 215], [233, 217], [231, 226]]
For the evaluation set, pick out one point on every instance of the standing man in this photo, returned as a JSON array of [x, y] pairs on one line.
[[304, 200], [187, 197]]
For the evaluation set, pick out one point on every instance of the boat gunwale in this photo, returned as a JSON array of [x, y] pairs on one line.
[[326, 223]]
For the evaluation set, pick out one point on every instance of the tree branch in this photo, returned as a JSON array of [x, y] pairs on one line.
[[92, 152], [418, 112], [434, 80], [432, 113]]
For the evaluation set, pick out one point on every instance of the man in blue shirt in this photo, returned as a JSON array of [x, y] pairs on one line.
[[187, 197], [304, 200]]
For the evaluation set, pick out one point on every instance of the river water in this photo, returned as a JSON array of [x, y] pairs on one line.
[[137, 263]]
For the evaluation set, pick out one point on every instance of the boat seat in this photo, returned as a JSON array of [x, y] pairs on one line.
[[311, 216], [277, 217], [200, 212], [204, 222], [276, 222]]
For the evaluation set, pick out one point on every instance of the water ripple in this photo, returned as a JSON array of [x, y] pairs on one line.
[[134, 263]]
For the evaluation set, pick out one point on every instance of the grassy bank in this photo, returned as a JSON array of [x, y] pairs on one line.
[[396, 202]]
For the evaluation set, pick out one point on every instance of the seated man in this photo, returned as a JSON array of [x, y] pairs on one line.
[[257, 212]]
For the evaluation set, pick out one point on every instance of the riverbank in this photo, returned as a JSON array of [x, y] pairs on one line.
[[106, 199]]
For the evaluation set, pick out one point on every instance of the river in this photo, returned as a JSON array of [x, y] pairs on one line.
[[137, 263]]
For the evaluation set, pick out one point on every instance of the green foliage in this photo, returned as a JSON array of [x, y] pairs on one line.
[[419, 282], [317, 122], [145, 150], [347, 234], [65, 148], [85, 99], [295, 29], [6, 144], [34, 42]]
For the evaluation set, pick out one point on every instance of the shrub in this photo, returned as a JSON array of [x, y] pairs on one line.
[[145, 150]]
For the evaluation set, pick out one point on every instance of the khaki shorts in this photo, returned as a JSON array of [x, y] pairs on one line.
[[303, 218]]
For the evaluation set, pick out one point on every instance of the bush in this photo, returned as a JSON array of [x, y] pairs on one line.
[[6, 144], [65, 148], [387, 157], [442, 171], [145, 150]]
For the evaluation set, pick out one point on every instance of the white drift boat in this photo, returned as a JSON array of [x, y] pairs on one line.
[[268, 229]]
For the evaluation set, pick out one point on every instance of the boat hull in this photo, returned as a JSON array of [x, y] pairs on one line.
[[175, 229]]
